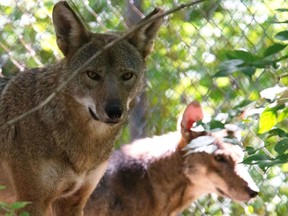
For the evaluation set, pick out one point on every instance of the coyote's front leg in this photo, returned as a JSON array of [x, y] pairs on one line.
[[29, 187], [73, 205]]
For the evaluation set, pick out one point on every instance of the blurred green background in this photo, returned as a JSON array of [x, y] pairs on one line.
[[230, 55]]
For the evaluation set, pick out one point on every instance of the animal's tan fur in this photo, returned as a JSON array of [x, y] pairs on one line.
[[153, 176], [54, 157]]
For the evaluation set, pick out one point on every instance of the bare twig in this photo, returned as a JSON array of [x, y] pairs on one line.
[[109, 45]]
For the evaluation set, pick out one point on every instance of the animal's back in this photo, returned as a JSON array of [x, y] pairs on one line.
[[127, 183], [20, 94], [108, 199]]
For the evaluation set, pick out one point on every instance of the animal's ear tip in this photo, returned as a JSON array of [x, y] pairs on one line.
[[59, 6], [159, 10], [195, 103], [60, 3]]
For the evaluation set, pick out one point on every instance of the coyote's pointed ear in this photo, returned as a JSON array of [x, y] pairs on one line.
[[143, 38], [192, 113], [70, 31]]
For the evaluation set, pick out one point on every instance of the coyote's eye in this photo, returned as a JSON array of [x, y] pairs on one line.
[[93, 75], [127, 76], [220, 158]]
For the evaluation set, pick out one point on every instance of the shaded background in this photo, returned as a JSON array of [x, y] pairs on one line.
[[194, 58]]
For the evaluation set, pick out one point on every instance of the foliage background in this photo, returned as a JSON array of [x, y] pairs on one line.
[[222, 53]]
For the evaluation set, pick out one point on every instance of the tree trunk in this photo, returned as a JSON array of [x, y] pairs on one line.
[[137, 120]]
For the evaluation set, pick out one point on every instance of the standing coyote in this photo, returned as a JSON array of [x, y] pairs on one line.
[[55, 157], [161, 176]]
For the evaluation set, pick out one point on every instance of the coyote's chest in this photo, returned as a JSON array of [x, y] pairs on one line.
[[69, 182]]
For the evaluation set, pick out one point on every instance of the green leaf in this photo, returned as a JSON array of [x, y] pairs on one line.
[[278, 107], [244, 103], [283, 158], [2, 187], [280, 159], [281, 146], [18, 205], [268, 163], [286, 21], [216, 124], [24, 214], [263, 63], [249, 71], [243, 55], [250, 150], [283, 35], [273, 49], [254, 159], [228, 67], [282, 9], [283, 115], [277, 132], [267, 120]]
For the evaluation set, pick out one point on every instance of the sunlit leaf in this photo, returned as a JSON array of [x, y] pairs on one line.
[[283, 115], [267, 120]]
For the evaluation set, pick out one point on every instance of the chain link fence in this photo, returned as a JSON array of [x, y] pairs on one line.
[[191, 45]]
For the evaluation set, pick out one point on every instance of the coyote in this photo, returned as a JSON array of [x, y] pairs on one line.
[[55, 157], [161, 176]]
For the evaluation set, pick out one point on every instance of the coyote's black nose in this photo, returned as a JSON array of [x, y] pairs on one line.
[[252, 193], [114, 110]]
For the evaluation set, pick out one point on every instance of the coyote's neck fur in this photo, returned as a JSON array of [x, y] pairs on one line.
[[55, 156], [63, 122]]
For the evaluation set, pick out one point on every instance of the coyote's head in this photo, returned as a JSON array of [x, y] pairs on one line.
[[213, 161], [110, 84]]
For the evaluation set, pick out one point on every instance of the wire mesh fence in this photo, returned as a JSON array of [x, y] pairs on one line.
[[191, 45]]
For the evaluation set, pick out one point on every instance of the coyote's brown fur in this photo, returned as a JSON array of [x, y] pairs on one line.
[[55, 157], [161, 176]]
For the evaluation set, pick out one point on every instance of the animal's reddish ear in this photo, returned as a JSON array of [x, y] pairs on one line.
[[192, 113]]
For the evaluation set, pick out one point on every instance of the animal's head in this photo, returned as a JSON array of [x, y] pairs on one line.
[[111, 83], [212, 163]]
